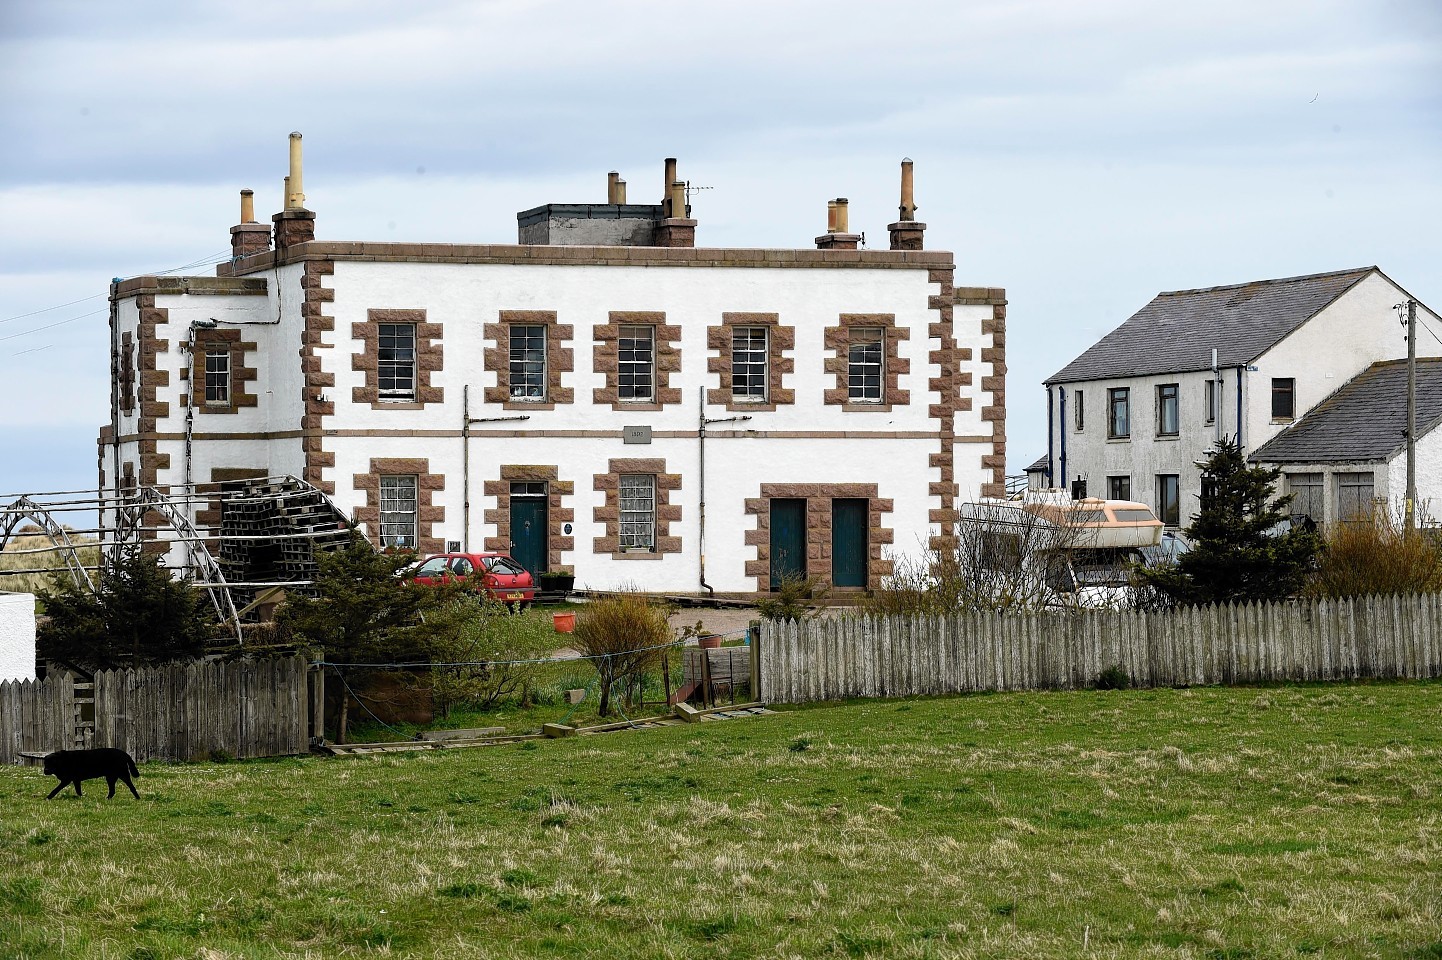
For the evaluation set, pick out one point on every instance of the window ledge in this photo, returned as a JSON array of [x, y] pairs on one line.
[[637, 556], [528, 405], [866, 408], [384, 404], [1168, 437], [1119, 439], [1284, 419]]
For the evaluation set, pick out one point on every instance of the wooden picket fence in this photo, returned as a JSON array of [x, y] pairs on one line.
[[1372, 637], [181, 711]]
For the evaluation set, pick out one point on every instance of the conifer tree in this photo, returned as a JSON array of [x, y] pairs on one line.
[[137, 614], [363, 611], [1237, 554]]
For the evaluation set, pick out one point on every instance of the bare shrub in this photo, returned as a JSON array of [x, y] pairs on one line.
[[1377, 558], [1004, 558], [624, 634]]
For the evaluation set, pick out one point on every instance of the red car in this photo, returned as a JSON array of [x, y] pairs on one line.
[[501, 577]]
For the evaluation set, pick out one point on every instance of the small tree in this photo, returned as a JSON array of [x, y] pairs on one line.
[[1237, 555], [793, 599], [138, 614], [363, 612], [476, 653], [623, 635]]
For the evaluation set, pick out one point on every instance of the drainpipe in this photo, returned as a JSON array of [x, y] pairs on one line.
[[190, 413], [1239, 406], [701, 435], [466, 421], [1050, 439], [1061, 414], [115, 405]]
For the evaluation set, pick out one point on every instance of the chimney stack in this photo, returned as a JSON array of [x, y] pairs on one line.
[[676, 229], [838, 235], [615, 188], [906, 233], [248, 237], [294, 224]]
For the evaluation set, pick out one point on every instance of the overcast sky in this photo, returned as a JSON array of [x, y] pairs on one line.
[[1083, 155]]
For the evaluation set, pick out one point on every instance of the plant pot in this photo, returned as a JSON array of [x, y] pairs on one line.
[[709, 642], [564, 622], [558, 582]]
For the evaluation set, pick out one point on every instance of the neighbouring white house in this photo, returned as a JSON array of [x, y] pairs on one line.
[[1347, 457], [603, 395], [1133, 416], [17, 636]]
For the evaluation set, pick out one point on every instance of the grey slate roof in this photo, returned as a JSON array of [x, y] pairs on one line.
[[1363, 420], [1177, 330], [1038, 464]]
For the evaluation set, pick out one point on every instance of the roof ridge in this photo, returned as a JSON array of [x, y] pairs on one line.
[[1255, 283]]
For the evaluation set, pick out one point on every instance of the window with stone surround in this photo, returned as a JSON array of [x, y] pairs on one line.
[[400, 353], [400, 509], [531, 352], [748, 355], [866, 362], [221, 381], [637, 352], [638, 513]]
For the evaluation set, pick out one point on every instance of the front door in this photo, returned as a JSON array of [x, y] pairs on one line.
[[788, 540], [848, 543], [528, 526]]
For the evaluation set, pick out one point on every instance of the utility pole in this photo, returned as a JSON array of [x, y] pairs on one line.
[[1410, 510]]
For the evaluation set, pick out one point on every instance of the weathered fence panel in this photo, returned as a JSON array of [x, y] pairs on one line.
[[179, 711], [1369, 637]]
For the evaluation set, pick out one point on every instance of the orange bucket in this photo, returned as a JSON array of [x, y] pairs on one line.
[[564, 622]]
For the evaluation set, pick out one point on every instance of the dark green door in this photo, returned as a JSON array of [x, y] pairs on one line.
[[788, 540], [848, 543], [528, 532]]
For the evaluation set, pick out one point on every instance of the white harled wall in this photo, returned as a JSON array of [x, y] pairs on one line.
[[17, 636], [740, 457], [1357, 330]]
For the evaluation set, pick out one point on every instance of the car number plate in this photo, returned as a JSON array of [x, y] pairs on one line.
[[515, 596]]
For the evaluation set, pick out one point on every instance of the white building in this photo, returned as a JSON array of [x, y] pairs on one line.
[[565, 401], [1347, 457], [17, 636], [1133, 416]]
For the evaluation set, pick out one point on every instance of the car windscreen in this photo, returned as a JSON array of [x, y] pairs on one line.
[[504, 567]]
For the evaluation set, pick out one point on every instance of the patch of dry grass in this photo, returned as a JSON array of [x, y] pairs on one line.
[[13, 559]]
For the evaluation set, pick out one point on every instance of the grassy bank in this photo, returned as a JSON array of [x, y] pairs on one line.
[[1198, 823]]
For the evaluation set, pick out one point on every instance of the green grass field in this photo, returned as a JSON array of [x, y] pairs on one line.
[[1206, 823]]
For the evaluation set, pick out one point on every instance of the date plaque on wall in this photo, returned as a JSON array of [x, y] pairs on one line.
[[636, 434]]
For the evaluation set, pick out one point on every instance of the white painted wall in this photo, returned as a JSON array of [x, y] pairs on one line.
[[1357, 330], [740, 457], [1093, 456], [17, 636]]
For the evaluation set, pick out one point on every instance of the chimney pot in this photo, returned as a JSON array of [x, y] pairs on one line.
[[247, 206], [843, 218], [906, 232], [667, 210], [621, 191], [612, 179], [294, 190]]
